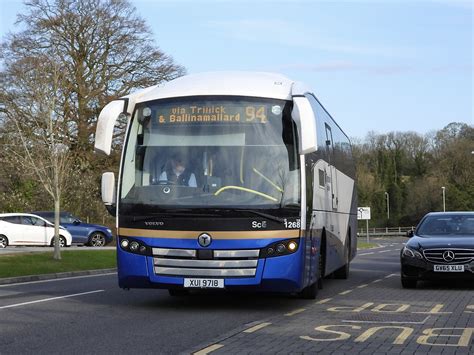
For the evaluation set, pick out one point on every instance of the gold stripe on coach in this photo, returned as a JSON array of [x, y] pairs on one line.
[[284, 233]]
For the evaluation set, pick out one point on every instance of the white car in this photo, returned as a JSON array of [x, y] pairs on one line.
[[29, 229]]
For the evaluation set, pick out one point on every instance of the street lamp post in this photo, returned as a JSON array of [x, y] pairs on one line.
[[388, 204], [444, 198]]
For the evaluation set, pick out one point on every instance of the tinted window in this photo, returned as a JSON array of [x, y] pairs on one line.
[[32, 221], [12, 219], [447, 224], [68, 219]]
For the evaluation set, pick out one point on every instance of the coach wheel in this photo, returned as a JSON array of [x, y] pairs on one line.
[[3, 242], [343, 272]]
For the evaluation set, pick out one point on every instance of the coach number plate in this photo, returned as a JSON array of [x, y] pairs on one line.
[[204, 283], [449, 268]]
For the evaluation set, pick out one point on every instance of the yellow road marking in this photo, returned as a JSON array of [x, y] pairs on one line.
[[257, 327], [209, 349], [296, 311], [345, 292], [324, 301]]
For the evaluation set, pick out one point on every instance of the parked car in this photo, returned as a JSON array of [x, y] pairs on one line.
[[441, 246], [93, 235], [29, 229]]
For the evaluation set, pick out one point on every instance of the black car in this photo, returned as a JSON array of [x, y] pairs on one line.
[[442, 246]]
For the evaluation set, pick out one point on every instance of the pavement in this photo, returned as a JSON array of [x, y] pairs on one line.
[[370, 313]]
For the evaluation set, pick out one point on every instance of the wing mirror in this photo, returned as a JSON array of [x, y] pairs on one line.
[[108, 192], [303, 115], [410, 233]]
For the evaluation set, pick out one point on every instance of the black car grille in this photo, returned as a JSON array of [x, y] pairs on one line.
[[461, 256]]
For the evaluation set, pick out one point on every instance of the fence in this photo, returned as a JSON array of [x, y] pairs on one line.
[[384, 232]]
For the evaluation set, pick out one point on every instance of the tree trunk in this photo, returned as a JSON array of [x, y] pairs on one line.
[[57, 249]]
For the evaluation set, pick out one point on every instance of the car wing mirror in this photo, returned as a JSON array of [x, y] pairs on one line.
[[76, 222], [410, 233]]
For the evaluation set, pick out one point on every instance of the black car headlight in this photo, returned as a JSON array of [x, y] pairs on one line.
[[411, 253]]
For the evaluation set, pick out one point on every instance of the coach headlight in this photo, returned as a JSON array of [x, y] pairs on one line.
[[280, 248], [134, 246]]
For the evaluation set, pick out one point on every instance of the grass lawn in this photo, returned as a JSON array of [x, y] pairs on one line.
[[43, 263], [365, 245]]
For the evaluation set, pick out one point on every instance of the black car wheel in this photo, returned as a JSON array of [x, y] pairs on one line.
[[3, 241], [409, 282], [62, 242], [97, 239]]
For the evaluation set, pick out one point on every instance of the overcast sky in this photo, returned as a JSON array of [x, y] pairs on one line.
[[376, 65]]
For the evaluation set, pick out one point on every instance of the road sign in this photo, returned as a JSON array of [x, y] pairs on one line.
[[363, 212]]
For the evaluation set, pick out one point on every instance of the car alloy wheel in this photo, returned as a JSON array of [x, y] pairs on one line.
[[97, 240], [3, 242]]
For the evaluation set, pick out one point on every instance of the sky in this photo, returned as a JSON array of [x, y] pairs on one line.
[[380, 66]]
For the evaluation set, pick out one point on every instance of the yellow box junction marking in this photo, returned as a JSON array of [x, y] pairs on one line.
[[209, 349], [257, 327], [325, 300], [296, 311]]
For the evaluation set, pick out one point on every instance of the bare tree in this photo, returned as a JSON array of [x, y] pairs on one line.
[[36, 130], [103, 50]]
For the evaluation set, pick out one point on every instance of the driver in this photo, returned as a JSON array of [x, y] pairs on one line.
[[177, 173]]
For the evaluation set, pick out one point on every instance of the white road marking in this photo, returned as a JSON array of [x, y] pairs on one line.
[[209, 349], [50, 299], [257, 327], [375, 281], [363, 285], [58, 279], [385, 251], [296, 311], [367, 253], [391, 275]]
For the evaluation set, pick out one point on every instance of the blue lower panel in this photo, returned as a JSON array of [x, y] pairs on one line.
[[277, 274]]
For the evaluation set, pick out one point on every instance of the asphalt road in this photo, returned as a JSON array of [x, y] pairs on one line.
[[368, 313]]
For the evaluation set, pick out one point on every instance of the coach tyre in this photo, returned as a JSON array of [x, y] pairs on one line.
[[3, 241], [343, 272], [310, 292], [97, 239]]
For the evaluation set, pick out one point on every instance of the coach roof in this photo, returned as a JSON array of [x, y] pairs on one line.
[[256, 84]]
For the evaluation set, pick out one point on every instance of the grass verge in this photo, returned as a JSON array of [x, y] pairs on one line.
[[43, 263], [365, 245]]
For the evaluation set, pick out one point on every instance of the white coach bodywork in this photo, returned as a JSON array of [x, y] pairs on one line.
[[250, 84]]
